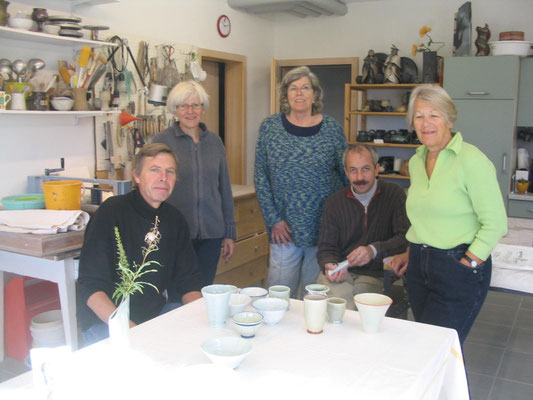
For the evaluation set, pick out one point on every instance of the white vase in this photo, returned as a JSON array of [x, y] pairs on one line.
[[119, 323]]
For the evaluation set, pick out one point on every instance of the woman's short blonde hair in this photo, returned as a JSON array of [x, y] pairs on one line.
[[293, 75], [186, 90], [437, 97]]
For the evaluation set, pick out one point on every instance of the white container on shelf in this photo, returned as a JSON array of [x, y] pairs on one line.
[[510, 48]]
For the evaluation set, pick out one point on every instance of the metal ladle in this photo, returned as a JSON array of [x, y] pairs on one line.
[[19, 67], [34, 65]]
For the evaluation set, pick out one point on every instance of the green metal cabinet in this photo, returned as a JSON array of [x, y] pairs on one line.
[[485, 93], [525, 94]]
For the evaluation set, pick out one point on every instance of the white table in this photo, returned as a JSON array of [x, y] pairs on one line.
[[406, 360], [59, 269]]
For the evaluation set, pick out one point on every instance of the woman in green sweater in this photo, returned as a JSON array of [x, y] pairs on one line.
[[298, 164], [457, 216]]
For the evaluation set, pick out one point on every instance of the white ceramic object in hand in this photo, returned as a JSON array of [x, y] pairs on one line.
[[372, 308], [317, 288], [247, 323], [271, 308], [20, 23], [216, 300], [315, 309], [255, 292], [238, 302], [227, 350], [62, 103]]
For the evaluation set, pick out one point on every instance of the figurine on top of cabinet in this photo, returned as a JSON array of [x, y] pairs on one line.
[[392, 66], [482, 41], [371, 73]]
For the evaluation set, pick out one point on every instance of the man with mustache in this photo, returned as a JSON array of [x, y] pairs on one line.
[[362, 223], [175, 279]]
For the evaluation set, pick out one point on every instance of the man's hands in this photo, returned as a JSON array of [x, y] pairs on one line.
[[281, 233], [336, 277], [360, 256], [228, 246]]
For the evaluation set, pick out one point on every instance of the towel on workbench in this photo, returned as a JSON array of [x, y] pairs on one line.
[[42, 222]]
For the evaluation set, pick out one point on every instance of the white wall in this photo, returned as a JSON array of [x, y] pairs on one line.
[[30, 144]]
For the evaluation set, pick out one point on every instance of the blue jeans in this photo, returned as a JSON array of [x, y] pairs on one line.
[[444, 292], [100, 331], [207, 253], [290, 265]]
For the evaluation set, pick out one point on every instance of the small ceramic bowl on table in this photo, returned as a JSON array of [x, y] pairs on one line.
[[238, 303], [255, 292], [226, 350], [271, 308], [317, 288], [247, 323]]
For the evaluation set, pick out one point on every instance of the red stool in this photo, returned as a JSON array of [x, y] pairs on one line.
[[24, 298]]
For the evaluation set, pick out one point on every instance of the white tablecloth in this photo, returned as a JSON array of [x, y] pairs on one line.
[[512, 268], [406, 360]]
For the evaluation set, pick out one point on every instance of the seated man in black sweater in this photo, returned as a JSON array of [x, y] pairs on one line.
[[177, 277]]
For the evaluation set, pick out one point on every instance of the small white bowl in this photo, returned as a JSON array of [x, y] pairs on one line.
[[247, 323], [20, 23], [271, 308], [62, 103], [238, 302], [227, 350], [317, 288], [255, 292], [51, 29]]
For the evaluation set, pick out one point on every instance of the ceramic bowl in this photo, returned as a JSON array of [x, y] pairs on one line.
[[271, 308], [238, 302], [20, 23], [233, 288], [227, 350], [62, 103], [510, 47], [317, 288], [51, 29], [255, 292], [247, 323]]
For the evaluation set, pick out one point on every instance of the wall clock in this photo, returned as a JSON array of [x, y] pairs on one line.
[[224, 26]]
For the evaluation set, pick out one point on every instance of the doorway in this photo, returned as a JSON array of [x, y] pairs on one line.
[[226, 116]]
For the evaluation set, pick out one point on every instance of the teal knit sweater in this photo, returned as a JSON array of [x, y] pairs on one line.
[[294, 175]]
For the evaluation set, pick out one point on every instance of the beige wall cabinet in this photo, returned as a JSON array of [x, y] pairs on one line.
[[249, 264]]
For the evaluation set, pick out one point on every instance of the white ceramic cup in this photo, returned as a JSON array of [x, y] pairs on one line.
[[18, 101], [372, 308], [315, 309], [280, 292], [5, 98], [217, 300], [336, 309]]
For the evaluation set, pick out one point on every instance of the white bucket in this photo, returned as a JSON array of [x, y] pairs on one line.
[[47, 329]]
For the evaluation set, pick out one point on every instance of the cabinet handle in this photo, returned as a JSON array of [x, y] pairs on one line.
[[478, 93], [504, 163]]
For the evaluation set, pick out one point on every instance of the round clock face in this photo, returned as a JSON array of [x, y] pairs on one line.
[[223, 26]]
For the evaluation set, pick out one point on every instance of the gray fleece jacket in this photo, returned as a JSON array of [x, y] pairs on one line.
[[203, 189]]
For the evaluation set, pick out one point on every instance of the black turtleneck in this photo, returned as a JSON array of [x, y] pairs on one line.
[[178, 273]]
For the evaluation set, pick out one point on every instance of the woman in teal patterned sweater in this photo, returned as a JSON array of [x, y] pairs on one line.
[[298, 164]]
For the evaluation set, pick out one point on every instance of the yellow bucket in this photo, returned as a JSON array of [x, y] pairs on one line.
[[62, 195]]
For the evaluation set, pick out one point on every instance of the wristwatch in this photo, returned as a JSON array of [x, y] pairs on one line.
[[473, 263]]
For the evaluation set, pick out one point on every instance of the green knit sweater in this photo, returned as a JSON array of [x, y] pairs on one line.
[[295, 174]]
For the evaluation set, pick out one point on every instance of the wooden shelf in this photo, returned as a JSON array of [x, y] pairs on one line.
[[377, 113], [395, 145], [393, 176]]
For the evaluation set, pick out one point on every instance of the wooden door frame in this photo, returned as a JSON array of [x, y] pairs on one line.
[[276, 66], [235, 110]]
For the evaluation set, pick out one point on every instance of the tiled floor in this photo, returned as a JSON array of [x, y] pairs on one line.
[[498, 352], [499, 349]]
